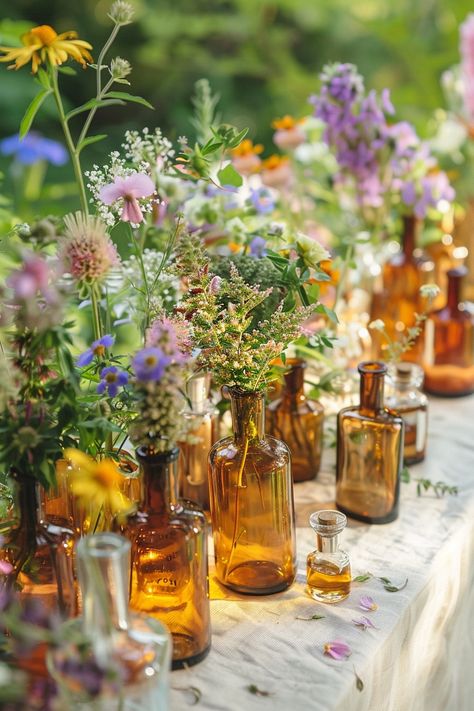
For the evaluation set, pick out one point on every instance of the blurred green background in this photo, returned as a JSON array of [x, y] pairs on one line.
[[261, 56]]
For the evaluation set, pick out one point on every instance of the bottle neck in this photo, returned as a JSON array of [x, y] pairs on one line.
[[411, 226], [159, 479], [371, 392], [293, 392], [248, 416], [103, 563], [27, 499], [327, 544], [454, 291]]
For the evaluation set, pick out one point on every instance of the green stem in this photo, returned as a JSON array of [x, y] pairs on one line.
[[76, 164], [96, 320]]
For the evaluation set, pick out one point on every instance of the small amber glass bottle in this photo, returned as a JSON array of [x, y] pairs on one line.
[[449, 344], [298, 422], [407, 400], [169, 570], [201, 427], [328, 570], [252, 507], [369, 452], [400, 300]]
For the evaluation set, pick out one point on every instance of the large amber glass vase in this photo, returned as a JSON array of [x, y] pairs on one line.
[[400, 299], [449, 344], [298, 422], [169, 568], [252, 507], [369, 452], [110, 659]]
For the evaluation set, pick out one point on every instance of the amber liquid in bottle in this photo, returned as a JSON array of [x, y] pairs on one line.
[[369, 453], [252, 507], [449, 344], [411, 404], [298, 422], [396, 305], [328, 570], [169, 570]]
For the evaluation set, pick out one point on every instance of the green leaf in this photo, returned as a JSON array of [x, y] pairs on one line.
[[405, 475], [362, 578], [91, 139], [229, 176], [69, 71], [32, 110], [329, 312], [43, 78], [238, 138], [99, 103], [124, 96]]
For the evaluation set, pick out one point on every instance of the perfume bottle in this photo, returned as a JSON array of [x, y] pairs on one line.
[[407, 400], [369, 452], [252, 506], [124, 656], [403, 275], [200, 436], [449, 344], [169, 568], [298, 422], [328, 570]]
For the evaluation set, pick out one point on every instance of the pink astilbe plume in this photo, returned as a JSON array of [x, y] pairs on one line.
[[129, 190]]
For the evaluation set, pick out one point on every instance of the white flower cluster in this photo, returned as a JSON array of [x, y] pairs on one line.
[[152, 149]]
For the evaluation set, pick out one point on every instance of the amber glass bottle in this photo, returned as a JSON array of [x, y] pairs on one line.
[[369, 452], [252, 507], [449, 344], [201, 428], [169, 573], [298, 422], [396, 305], [407, 400]]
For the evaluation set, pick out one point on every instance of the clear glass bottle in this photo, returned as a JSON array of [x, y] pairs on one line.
[[369, 452], [448, 359], [169, 566], [126, 657], [328, 570], [403, 275], [252, 507], [298, 422], [201, 429], [407, 400]]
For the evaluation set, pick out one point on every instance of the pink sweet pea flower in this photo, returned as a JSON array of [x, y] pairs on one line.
[[130, 188], [367, 603], [364, 622], [337, 649]]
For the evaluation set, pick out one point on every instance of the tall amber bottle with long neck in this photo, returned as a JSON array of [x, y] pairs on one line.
[[369, 452], [400, 299], [169, 570], [449, 344], [298, 422], [252, 507]]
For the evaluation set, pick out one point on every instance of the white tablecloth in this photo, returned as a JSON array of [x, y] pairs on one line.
[[421, 657]]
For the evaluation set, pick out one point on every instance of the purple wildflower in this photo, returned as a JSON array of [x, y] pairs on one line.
[[111, 379], [33, 148], [150, 364], [97, 348], [262, 200], [172, 336], [337, 649], [257, 247], [367, 603], [364, 623]]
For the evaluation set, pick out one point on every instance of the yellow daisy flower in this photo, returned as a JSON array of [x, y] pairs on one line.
[[97, 484], [43, 44]]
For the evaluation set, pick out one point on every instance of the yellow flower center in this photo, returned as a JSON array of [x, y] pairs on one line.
[[44, 34], [99, 350], [111, 377], [150, 360]]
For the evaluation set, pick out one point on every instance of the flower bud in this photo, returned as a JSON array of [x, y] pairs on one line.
[[120, 68], [121, 12]]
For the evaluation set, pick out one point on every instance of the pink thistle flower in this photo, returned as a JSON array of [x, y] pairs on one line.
[[128, 189], [364, 622], [367, 603], [337, 649], [86, 250]]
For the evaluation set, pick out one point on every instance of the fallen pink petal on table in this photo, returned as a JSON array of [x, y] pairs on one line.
[[367, 603], [337, 649]]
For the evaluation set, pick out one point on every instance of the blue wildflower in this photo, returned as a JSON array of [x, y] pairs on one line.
[[262, 200], [34, 148], [97, 349], [257, 247], [150, 364], [111, 379]]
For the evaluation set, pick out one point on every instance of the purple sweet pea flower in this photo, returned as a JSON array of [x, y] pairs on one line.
[[150, 364], [111, 379], [97, 349], [257, 247], [367, 603], [337, 649], [33, 148], [364, 622]]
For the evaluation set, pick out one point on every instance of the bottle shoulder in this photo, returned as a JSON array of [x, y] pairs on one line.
[[268, 447], [186, 516], [382, 416]]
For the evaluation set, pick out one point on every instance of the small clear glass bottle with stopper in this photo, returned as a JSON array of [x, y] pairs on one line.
[[328, 571], [407, 400]]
